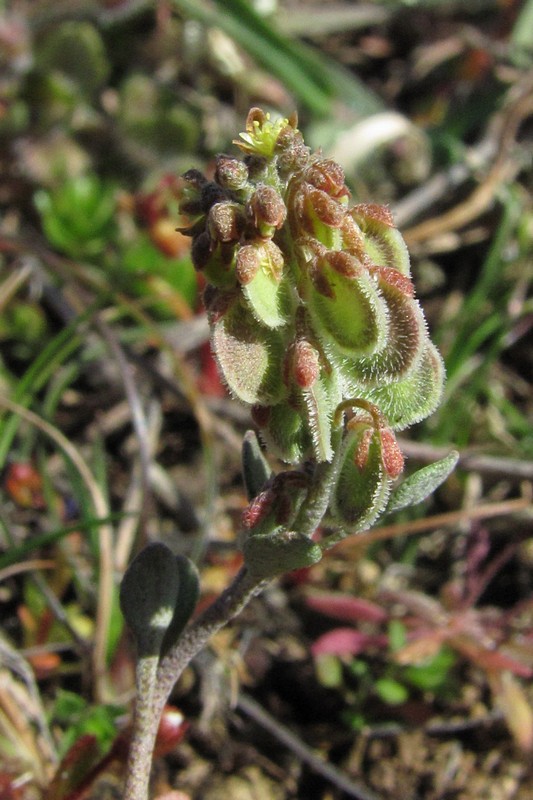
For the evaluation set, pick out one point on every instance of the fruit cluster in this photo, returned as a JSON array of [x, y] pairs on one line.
[[312, 310]]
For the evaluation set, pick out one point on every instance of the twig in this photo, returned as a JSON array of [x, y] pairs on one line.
[[314, 760], [474, 462], [503, 170], [436, 521], [138, 417]]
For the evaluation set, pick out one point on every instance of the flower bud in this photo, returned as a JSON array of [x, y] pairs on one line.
[[303, 364], [231, 173], [327, 175], [225, 222], [267, 209]]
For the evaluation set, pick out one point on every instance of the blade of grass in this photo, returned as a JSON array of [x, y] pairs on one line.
[[105, 534], [486, 285], [521, 41], [38, 373], [17, 553]]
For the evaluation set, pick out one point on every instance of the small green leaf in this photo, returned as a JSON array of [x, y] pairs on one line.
[[434, 674], [390, 691], [328, 668], [157, 596], [397, 634], [268, 556], [422, 483]]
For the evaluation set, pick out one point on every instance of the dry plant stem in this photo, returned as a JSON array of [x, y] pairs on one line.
[[153, 694], [385, 532]]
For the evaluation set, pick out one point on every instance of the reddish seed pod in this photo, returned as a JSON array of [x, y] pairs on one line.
[[391, 454], [258, 508], [393, 277], [305, 364], [363, 448], [344, 263], [352, 238], [375, 213]]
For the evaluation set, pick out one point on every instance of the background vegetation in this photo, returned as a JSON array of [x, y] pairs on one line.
[[404, 659]]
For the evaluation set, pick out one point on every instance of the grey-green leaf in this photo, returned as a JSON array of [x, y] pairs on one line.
[[274, 554], [157, 596], [422, 483], [255, 468], [188, 593]]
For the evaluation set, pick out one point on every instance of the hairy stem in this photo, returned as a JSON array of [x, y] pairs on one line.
[[152, 695]]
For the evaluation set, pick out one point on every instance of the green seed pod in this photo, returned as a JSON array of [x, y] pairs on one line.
[[362, 487], [249, 356], [353, 321], [313, 303], [267, 292], [412, 399], [384, 244]]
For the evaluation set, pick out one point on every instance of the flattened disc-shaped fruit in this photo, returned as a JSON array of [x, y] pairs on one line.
[[384, 244], [249, 357], [354, 319], [415, 397], [402, 350], [269, 299]]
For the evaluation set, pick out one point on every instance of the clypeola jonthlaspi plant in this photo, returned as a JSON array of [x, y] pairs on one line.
[[315, 326]]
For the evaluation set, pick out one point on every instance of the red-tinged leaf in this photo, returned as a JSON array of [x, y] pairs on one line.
[[491, 660], [346, 642], [172, 729], [420, 650], [74, 770], [346, 608]]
